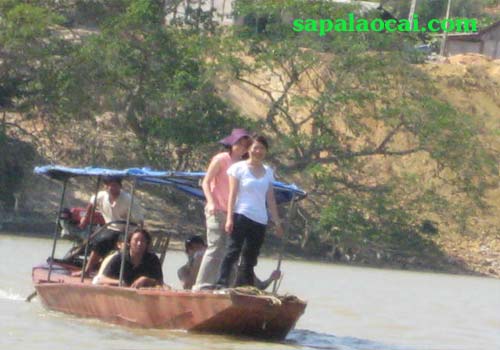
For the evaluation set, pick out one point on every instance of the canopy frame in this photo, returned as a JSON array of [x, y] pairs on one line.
[[184, 181]]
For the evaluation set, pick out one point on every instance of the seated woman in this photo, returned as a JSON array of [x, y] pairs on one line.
[[142, 268]]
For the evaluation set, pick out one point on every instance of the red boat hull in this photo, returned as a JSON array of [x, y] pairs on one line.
[[227, 312]]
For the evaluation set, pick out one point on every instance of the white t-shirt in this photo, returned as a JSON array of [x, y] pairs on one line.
[[252, 191], [118, 210]]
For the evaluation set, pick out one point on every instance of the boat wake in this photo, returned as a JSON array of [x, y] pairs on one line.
[[305, 339], [9, 295]]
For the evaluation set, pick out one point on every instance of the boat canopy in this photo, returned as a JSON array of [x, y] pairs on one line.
[[187, 182]]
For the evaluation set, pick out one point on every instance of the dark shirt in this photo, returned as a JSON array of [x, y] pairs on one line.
[[150, 267]]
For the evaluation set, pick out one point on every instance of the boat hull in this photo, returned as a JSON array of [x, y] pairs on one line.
[[222, 312]]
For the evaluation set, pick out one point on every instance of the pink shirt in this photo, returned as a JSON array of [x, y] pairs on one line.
[[219, 186]]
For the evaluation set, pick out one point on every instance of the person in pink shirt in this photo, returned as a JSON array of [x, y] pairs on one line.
[[216, 189]]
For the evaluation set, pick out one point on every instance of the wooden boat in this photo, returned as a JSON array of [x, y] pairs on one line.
[[228, 311], [223, 312]]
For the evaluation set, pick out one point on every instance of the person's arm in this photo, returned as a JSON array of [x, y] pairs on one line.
[[195, 267], [154, 275], [101, 279], [212, 171], [273, 208], [184, 275], [111, 272], [86, 219], [233, 191], [144, 281], [262, 285]]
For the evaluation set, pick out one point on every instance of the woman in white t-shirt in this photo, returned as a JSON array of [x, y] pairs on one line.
[[250, 189]]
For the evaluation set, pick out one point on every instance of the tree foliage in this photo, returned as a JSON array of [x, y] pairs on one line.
[[131, 66], [329, 99]]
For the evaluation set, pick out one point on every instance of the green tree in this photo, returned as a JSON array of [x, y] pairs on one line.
[[152, 76], [27, 45]]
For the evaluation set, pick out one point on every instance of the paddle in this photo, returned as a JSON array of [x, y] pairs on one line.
[[283, 240], [31, 296], [280, 257]]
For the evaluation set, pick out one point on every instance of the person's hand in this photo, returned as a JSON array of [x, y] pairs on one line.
[[229, 226], [140, 282], [210, 208], [83, 222], [275, 275], [79, 274]]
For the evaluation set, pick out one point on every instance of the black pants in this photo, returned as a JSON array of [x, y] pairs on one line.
[[247, 238], [105, 241]]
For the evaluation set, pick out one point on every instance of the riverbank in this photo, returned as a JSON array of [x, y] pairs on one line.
[[460, 255]]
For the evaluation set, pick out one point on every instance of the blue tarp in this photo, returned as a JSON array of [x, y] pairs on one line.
[[187, 182]]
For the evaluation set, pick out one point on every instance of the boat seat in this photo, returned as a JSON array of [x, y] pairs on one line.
[[160, 243]]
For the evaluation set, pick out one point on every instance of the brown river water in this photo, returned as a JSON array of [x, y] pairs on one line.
[[349, 308]]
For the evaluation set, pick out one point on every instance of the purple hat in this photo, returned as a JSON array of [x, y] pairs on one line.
[[235, 136]]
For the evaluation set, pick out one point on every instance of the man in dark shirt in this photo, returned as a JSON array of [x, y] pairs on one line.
[[142, 268]]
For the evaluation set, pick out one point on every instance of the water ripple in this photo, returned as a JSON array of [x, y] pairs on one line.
[[10, 295], [306, 339]]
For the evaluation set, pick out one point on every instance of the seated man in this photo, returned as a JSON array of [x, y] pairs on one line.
[[195, 248], [142, 268], [113, 204]]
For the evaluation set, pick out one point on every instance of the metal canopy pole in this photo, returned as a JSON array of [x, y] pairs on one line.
[[283, 239], [56, 229], [125, 248], [89, 229], [412, 11], [445, 34]]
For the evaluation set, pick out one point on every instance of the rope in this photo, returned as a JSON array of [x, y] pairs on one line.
[[250, 290]]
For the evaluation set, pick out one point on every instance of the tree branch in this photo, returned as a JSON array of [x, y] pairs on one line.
[[389, 137], [301, 164]]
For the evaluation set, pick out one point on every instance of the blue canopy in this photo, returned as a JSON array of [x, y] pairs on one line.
[[187, 182]]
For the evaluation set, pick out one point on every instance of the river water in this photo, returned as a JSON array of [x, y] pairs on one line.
[[348, 308]]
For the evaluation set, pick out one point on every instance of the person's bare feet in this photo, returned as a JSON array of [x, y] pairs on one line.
[[79, 274]]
